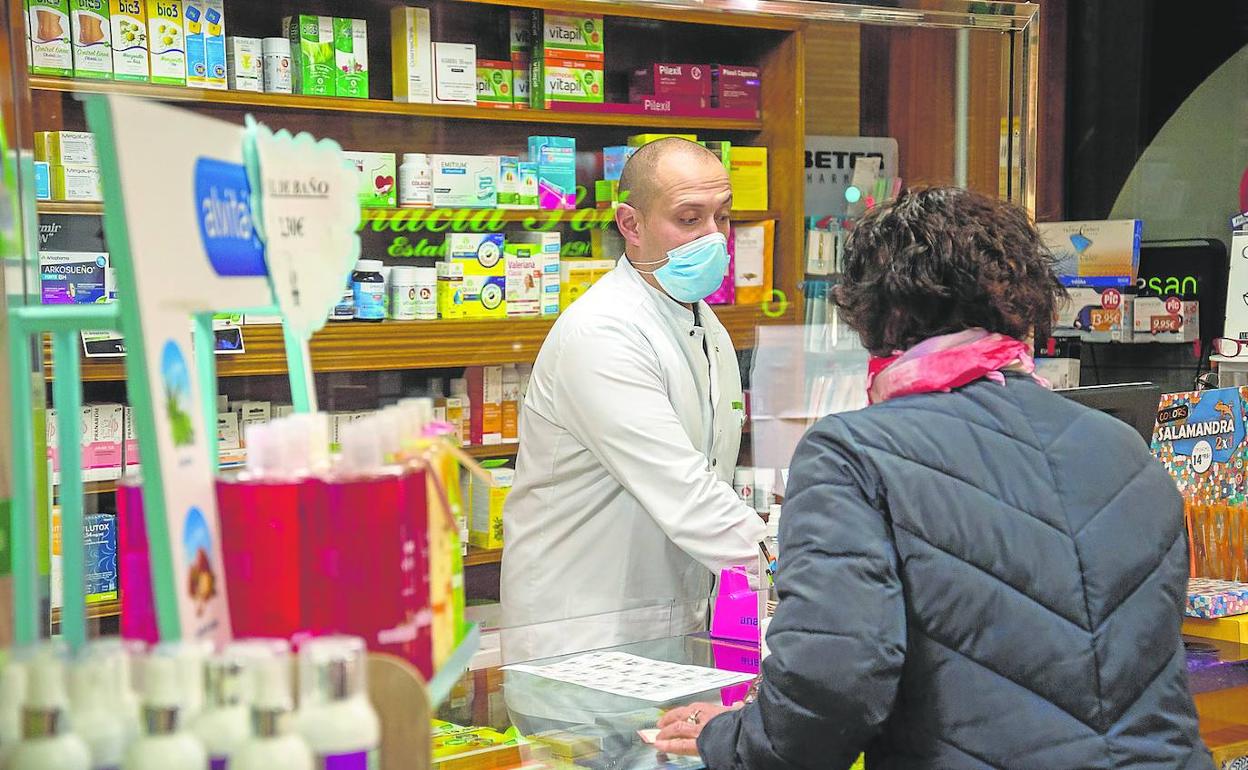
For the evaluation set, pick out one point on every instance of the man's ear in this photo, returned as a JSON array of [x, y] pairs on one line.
[[628, 220]]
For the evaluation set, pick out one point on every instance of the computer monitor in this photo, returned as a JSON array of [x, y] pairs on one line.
[[1134, 403]]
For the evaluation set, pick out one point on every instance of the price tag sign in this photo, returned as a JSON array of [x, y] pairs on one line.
[[308, 213]]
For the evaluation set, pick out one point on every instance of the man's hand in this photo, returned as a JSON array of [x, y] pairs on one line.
[[679, 728]]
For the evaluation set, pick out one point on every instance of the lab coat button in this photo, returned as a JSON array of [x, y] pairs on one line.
[[714, 463]]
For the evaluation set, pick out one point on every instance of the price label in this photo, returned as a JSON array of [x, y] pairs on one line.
[[1111, 299]]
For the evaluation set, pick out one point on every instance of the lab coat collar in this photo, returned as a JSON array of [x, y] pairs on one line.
[[669, 307]]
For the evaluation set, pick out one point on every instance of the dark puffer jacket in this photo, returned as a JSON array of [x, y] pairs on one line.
[[990, 578]]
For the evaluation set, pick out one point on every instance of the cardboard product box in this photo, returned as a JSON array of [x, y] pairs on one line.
[[351, 58], [521, 80], [130, 441], [312, 56], [454, 73], [245, 62], [1200, 440], [102, 455], [411, 54], [1095, 254], [524, 279], [91, 34], [166, 42], [613, 160], [49, 29], [556, 78], [214, 45], [692, 81], [1096, 315], [76, 184], [485, 273], [193, 37], [450, 290], [578, 275], [752, 261], [229, 432], [494, 84], [487, 503], [73, 278], [485, 394], [736, 87], [465, 181], [546, 247], [377, 173], [555, 157], [568, 36], [128, 19], [66, 148], [721, 150], [508, 182], [43, 181], [749, 178], [1166, 319], [99, 540], [637, 141]]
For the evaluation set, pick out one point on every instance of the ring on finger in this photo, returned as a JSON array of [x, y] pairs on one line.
[[694, 718]]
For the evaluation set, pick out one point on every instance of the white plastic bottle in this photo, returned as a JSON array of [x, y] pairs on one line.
[[164, 744], [94, 700], [12, 698], [190, 656], [415, 181], [274, 744], [223, 725], [47, 741], [118, 655], [335, 717]]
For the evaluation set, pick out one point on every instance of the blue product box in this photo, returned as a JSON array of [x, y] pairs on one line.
[[73, 278], [100, 566], [43, 181], [613, 160], [555, 157]]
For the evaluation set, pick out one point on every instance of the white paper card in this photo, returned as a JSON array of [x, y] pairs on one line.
[[632, 676]]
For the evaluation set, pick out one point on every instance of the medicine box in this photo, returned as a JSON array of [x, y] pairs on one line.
[[613, 160], [485, 273], [485, 393], [487, 500], [524, 279], [99, 540], [752, 262], [465, 181], [102, 458], [454, 73], [691, 81], [546, 247], [43, 181], [377, 172], [49, 27], [1095, 254], [229, 433], [130, 441], [79, 184], [521, 56], [193, 35], [312, 58], [128, 19], [568, 36], [494, 83], [578, 275], [245, 62], [214, 44], [1166, 319], [166, 43], [91, 34], [66, 148], [508, 182], [528, 185], [351, 55], [411, 54], [73, 278], [748, 176], [641, 140], [556, 79], [736, 87], [1096, 315], [555, 157], [450, 290]]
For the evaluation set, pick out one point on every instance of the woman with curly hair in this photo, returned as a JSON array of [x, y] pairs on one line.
[[976, 572]]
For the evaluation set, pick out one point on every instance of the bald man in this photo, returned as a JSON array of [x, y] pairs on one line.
[[623, 509]]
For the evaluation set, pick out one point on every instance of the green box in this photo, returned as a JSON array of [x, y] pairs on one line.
[[351, 57], [494, 82], [377, 173], [565, 80], [48, 25], [312, 57], [91, 34]]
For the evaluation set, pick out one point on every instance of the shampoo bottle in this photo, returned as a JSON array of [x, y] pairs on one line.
[[47, 741], [335, 717], [273, 745], [94, 698], [164, 743]]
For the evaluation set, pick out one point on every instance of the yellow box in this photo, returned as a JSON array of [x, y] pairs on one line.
[[66, 148], [485, 272], [78, 184], [577, 275], [1232, 629], [486, 503], [749, 178], [450, 290], [639, 140]]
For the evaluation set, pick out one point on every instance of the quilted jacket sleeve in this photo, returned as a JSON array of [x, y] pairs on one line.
[[838, 637]]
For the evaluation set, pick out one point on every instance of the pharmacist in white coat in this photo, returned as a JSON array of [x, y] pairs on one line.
[[623, 509]]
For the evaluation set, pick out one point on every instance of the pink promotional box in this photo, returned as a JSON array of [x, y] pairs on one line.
[[687, 81], [737, 87]]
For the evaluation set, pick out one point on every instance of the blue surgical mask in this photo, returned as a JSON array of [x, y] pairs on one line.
[[693, 271]]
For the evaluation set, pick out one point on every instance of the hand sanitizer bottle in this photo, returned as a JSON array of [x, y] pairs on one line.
[[47, 742], [222, 727], [335, 717], [94, 700], [164, 745], [274, 745]]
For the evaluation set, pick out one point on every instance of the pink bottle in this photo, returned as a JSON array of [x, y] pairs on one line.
[[138, 605]]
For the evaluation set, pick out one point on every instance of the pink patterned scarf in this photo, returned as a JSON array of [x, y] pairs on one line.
[[940, 364]]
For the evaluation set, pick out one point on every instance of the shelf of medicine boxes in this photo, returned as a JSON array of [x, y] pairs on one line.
[[402, 345], [248, 99]]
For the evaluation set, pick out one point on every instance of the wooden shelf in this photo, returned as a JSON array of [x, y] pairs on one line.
[[479, 556], [401, 345], [536, 217], [251, 100], [94, 611], [493, 451]]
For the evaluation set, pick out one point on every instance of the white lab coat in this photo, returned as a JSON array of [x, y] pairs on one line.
[[623, 507]]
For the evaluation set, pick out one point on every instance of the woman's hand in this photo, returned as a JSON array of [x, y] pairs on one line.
[[679, 728]]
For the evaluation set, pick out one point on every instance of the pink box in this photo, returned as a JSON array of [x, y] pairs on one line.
[[736, 87], [664, 79]]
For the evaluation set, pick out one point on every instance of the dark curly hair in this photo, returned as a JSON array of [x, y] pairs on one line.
[[943, 260]]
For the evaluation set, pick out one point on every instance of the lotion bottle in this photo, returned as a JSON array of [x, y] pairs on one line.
[[164, 743], [95, 701], [48, 743], [274, 744], [335, 717]]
